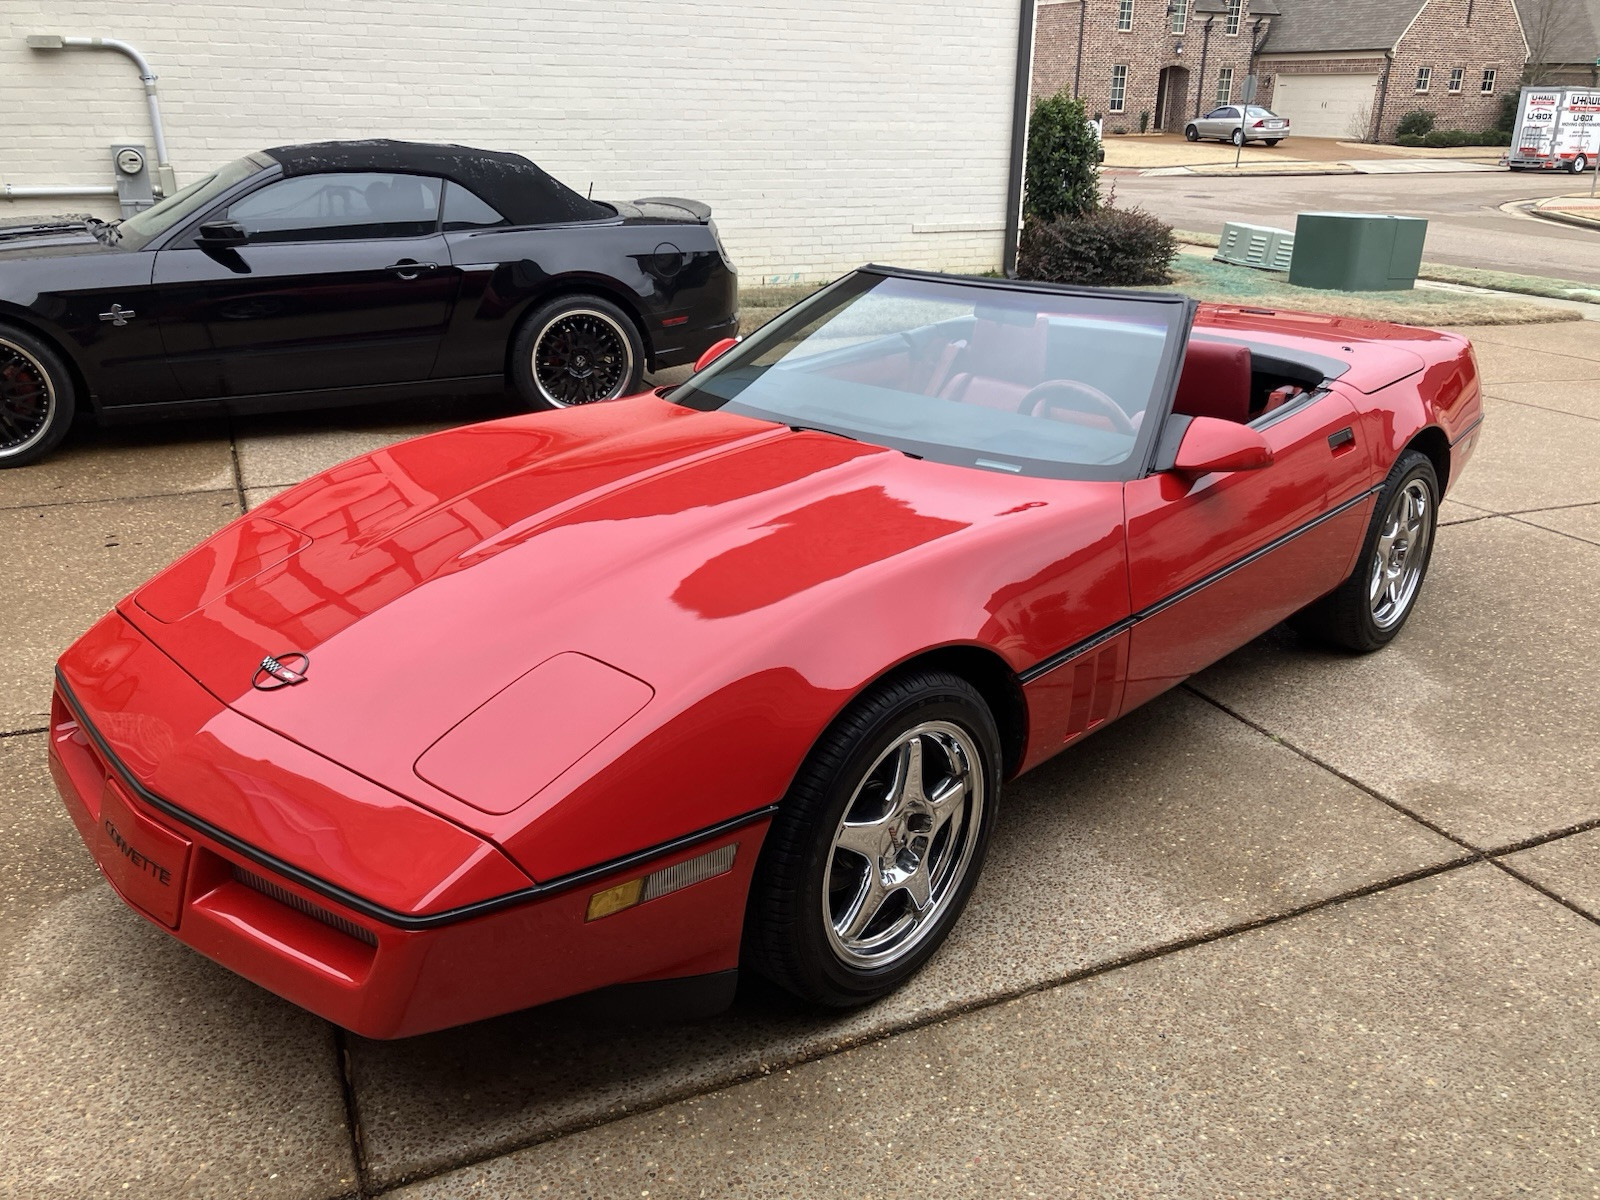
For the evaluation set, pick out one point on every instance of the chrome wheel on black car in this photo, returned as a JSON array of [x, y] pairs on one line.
[[877, 846], [577, 350], [36, 402]]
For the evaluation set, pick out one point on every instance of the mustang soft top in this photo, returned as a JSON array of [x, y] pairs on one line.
[[519, 190]]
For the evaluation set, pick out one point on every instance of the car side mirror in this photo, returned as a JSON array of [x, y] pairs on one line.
[[216, 235], [1212, 444], [713, 352]]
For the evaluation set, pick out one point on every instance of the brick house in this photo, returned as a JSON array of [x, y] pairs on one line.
[[1348, 70], [1563, 41]]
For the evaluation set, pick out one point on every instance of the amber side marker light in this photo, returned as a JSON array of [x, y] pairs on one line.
[[623, 896]]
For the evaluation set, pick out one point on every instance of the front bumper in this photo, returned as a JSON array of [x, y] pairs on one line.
[[295, 927]]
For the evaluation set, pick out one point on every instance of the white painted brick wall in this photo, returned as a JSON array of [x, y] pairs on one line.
[[824, 133]]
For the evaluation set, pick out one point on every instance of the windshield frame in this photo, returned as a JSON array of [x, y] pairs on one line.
[[1140, 459], [199, 199]]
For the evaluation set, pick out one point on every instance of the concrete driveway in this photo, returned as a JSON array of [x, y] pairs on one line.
[[1309, 925]]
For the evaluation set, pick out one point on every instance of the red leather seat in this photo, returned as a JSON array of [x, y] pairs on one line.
[[1002, 364], [1215, 382]]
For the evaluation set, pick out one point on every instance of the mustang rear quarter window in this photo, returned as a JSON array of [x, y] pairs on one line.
[[1021, 380]]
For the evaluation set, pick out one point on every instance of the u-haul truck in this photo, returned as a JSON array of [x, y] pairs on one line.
[[1557, 129]]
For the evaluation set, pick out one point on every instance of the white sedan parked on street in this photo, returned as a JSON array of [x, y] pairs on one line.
[[1225, 124]]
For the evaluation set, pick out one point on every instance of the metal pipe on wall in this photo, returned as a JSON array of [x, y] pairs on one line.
[[13, 191], [54, 41]]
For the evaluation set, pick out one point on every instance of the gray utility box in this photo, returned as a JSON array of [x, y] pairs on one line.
[[1357, 252], [1259, 246]]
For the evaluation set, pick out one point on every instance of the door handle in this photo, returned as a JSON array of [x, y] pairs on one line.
[[410, 268], [1342, 440]]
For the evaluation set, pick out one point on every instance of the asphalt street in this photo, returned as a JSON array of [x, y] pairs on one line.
[[1466, 226]]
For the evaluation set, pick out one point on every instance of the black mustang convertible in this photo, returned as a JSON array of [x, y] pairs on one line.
[[347, 272]]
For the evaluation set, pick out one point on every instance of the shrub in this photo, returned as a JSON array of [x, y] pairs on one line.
[[1111, 247], [1144, 122], [1417, 121], [1063, 172], [1408, 139], [1506, 121]]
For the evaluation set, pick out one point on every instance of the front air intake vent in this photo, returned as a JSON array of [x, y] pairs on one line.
[[316, 912]]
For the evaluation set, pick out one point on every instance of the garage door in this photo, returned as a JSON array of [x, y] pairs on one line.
[[1332, 106]]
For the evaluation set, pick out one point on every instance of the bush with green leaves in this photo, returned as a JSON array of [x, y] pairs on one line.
[[1506, 119], [1418, 122], [1448, 138], [1111, 247], [1063, 172]]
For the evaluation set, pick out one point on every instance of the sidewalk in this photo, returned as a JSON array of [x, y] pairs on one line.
[[1581, 209]]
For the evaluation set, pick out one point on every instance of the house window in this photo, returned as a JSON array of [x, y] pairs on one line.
[[1424, 78], [1456, 75], [1124, 16], [1119, 87], [1487, 85], [1224, 86], [1235, 12], [1180, 15]]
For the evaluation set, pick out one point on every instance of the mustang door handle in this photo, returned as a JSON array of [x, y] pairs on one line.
[[1338, 441], [410, 268]]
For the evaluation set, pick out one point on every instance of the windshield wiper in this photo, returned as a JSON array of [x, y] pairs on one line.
[[820, 429]]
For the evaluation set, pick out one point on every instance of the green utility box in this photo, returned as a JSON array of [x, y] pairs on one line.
[[1357, 252]]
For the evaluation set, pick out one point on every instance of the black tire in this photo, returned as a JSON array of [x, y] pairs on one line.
[[1237, 137], [37, 397], [1273, 141], [1580, 164], [589, 350], [792, 934], [1192, 133], [1351, 616]]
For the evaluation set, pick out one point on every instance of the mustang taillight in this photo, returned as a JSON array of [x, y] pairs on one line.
[[663, 882]]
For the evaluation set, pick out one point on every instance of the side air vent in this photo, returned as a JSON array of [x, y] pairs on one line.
[[1093, 689]]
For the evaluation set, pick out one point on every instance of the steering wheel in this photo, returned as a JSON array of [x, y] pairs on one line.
[[1081, 397]]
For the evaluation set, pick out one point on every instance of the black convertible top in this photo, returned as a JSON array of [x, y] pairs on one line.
[[522, 193]]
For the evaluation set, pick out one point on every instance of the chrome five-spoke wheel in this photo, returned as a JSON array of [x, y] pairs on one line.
[[876, 847], [1400, 554], [580, 357], [904, 844]]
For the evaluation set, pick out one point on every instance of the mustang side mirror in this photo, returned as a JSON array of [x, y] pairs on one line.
[[215, 235], [713, 352], [1211, 444]]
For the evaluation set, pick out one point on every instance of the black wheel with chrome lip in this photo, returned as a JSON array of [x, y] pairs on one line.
[[576, 350], [36, 397]]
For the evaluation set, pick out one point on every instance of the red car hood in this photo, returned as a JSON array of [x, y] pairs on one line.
[[424, 579]]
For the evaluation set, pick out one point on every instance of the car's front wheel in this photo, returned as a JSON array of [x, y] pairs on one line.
[[36, 398], [1192, 133], [874, 851], [1238, 137], [576, 350], [1367, 610]]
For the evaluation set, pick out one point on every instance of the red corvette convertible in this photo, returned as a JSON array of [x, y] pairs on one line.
[[640, 693]]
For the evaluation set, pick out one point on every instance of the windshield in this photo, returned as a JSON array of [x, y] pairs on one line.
[[1019, 381], [185, 202]]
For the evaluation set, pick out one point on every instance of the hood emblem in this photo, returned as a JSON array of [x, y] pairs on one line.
[[280, 671]]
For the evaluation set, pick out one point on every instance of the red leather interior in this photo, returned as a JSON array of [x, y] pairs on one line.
[[1002, 363], [1278, 397], [1215, 382]]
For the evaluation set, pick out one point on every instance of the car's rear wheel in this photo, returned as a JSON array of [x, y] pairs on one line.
[[1192, 133], [874, 851], [36, 398], [1580, 164], [1367, 610], [575, 350], [1273, 141]]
